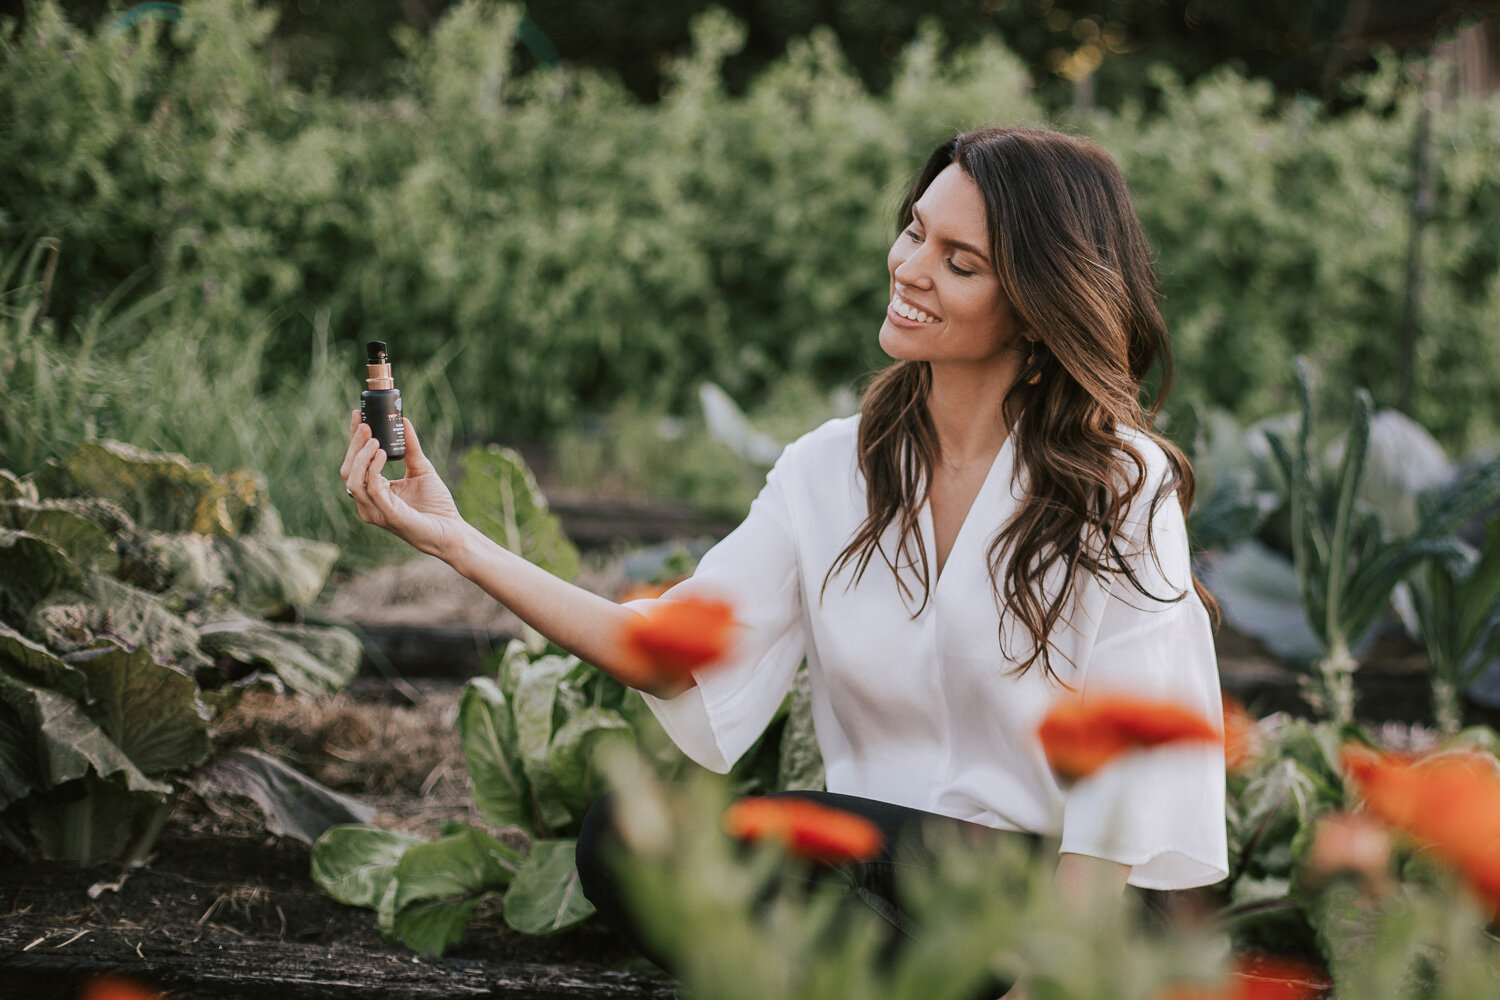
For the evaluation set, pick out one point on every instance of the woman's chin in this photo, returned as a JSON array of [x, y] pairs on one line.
[[899, 344]]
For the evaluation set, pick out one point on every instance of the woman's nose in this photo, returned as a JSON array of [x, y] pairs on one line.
[[912, 270]]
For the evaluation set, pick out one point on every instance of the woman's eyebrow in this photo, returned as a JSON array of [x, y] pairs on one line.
[[954, 243]]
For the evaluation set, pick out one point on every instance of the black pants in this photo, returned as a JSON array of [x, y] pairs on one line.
[[872, 882]]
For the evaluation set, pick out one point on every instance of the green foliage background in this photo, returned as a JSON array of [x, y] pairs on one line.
[[539, 246]]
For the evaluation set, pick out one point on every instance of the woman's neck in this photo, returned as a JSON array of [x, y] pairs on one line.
[[965, 406]]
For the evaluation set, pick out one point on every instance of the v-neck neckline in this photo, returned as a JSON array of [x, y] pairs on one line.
[[929, 531]]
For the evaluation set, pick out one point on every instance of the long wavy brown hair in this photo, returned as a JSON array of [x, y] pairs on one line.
[[1078, 272]]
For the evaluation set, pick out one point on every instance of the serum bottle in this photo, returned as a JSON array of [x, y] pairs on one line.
[[380, 403]]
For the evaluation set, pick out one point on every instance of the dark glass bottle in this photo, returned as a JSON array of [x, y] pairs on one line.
[[380, 403]]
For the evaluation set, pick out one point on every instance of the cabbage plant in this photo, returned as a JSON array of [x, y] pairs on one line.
[[134, 592], [536, 735], [1456, 604]]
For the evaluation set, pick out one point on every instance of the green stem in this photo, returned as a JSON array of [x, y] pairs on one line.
[[142, 844], [1332, 694], [1447, 705]]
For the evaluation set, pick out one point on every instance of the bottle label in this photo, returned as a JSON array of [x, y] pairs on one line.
[[386, 424]]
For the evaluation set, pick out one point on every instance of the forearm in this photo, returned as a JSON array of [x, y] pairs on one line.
[[1082, 881], [583, 623]]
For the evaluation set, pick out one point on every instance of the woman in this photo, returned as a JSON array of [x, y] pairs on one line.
[[999, 525]]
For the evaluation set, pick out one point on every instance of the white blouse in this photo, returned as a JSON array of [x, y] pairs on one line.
[[919, 711]]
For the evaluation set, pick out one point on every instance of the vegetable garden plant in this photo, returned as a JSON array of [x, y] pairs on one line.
[[533, 735], [137, 592]]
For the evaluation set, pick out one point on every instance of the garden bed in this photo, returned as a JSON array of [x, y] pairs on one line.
[[223, 910]]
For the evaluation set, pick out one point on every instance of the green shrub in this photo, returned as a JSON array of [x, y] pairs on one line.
[[1283, 230], [542, 244]]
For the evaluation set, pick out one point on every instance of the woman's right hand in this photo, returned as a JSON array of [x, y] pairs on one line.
[[417, 508]]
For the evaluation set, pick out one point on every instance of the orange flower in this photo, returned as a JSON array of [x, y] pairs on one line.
[[1260, 979], [674, 638], [1449, 802], [1356, 844], [1079, 738], [114, 988], [810, 831], [1241, 737]]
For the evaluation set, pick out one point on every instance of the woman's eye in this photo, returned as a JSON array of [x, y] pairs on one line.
[[914, 237], [958, 270]]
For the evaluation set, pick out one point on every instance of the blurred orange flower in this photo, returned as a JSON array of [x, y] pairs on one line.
[[1241, 737], [1355, 844], [115, 988], [1448, 802], [1260, 979], [674, 638], [1081, 737], [809, 830]]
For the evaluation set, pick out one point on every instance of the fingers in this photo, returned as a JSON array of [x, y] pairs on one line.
[[358, 474], [377, 486], [359, 433]]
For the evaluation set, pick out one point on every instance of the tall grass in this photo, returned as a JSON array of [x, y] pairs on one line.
[[156, 376]]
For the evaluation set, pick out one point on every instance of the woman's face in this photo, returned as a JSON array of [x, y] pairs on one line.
[[946, 304]]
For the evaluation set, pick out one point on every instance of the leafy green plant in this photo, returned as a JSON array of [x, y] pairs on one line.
[[528, 736], [1270, 812], [1456, 603], [534, 736], [740, 925], [743, 924], [1346, 565], [498, 494], [133, 587], [1276, 899]]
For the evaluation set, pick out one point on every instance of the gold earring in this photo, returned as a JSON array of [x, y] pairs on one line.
[[1035, 376]]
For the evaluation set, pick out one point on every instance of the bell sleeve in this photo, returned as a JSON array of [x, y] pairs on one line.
[[754, 569], [1161, 811]]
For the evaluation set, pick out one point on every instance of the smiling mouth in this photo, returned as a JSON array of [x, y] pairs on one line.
[[906, 310]]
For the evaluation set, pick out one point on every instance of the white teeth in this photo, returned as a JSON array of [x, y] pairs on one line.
[[911, 312]]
